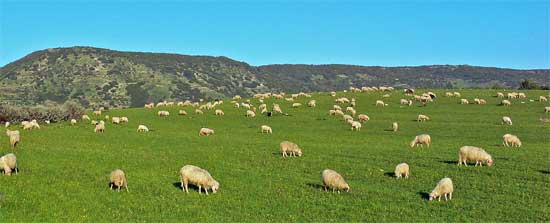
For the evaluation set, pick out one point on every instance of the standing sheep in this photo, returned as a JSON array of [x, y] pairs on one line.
[[395, 126], [296, 105], [546, 109], [312, 103], [380, 103], [163, 113], [511, 140], [421, 140], [8, 163], [355, 125], [86, 117], [73, 121], [444, 187], [266, 129], [124, 119], [250, 113], [333, 180], [402, 169], [219, 112], [464, 101], [542, 99], [199, 112], [14, 137], [118, 179], [100, 127], [115, 120], [506, 120], [422, 118], [467, 153], [363, 118], [506, 103], [142, 128], [206, 132], [182, 112], [290, 149], [190, 174]]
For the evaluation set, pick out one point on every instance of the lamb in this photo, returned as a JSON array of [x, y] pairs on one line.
[[8, 163], [206, 132], [421, 140], [73, 121], [444, 187], [14, 137], [190, 174], [363, 118], [380, 103], [511, 140], [355, 125], [546, 109], [219, 112], [467, 153], [163, 113], [182, 112], [290, 149], [333, 180], [506, 103], [124, 119], [402, 169], [395, 126], [422, 118], [115, 120], [142, 128], [506, 120], [312, 104], [86, 117], [100, 127], [250, 113], [266, 129], [296, 105], [118, 179]]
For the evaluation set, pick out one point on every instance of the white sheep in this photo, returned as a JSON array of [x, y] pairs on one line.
[[542, 99], [199, 112], [296, 105], [290, 149], [423, 139], [206, 132], [500, 95], [402, 169], [118, 179], [163, 113], [100, 127], [506, 103], [380, 103], [199, 177], [363, 118], [250, 113], [182, 112], [333, 180], [444, 187], [115, 120], [467, 153], [86, 117], [395, 126], [266, 129], [142, 128], [14, 137], [73, 121], [546, 109], [312, 103], [8, 163], [123, 119], [219, 112], [422, 118], [355, 125], [511, 140], [506, 120]]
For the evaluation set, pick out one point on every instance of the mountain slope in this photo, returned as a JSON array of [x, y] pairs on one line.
[[110, 78]]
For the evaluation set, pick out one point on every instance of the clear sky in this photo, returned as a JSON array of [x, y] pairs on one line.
[[512, 34]]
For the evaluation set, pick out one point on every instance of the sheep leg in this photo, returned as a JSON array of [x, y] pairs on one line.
[[439, 198], [450, 195], [206, 190], [181, 185], [445, 196], [111, 186], [200, 188]]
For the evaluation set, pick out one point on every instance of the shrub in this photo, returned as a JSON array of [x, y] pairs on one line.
[[52, 112]]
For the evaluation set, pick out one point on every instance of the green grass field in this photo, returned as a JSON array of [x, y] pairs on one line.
[[64, 169]]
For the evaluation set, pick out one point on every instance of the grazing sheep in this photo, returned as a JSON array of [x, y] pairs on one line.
[[333, 93], [464, 101], [355, 125], [404, 102], [506, 103], [219, 112], [511, 140], [98, 113], [100, 127], [266, 129], [444, 187], [421, 140], [402, 169], [182, 112], [296, 105], [86, 117], [542, 99], [142, 128], [546, 109], [8, 163], [201, 178], [163, 113], [290, 149], [277, 108], [500, 95], [395, 126], [312, 104], [250, 114], [73, 121], [456, 94], [124, 119], [449, 94], [206, 132], [118, 179], [422, 118], [115, 120], [14, 137], [363, 118], [199, 112], [337, 107], [339, 113], [467, 153], [380, 103], [333, 180], [94, 122], [347, 118], [106, 117], [482, 101], [506, 120]]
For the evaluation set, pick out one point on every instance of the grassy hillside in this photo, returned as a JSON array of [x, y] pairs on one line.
[[64, 169], [102, 77]]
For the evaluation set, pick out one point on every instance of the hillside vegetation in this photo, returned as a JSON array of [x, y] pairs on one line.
[[64, 170], [101, 77]]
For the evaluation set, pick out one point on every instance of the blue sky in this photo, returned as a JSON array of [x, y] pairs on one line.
[[512, 34]]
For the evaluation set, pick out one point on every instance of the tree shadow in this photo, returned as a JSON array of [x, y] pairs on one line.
[[424, 195]]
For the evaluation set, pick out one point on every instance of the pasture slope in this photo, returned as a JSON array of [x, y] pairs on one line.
[[64, 169]]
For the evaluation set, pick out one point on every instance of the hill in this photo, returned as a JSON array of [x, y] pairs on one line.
[[111, 78]]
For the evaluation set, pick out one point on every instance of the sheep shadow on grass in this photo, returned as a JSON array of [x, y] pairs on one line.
[[190, 186], [424, 195], [389, 174], [544, 171], [449, 161], [315, 186]]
